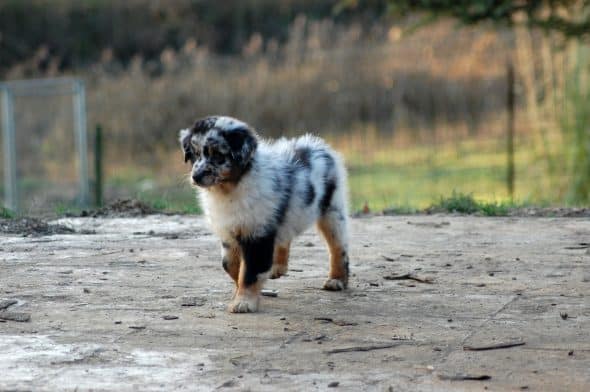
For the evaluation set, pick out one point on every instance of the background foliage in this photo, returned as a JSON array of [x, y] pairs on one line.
[[413, 93]]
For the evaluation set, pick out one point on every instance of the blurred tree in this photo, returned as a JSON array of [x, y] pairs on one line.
[[77, 33], [554, 15]]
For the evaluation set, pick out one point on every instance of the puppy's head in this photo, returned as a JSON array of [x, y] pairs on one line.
[[220, 150]]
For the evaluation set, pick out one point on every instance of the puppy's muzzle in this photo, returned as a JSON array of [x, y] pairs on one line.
[[203, 178]]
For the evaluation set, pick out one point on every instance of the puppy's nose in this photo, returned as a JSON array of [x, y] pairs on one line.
[[197, 177], [200, 175]]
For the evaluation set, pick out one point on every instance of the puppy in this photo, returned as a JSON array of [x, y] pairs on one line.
[[258, 195]]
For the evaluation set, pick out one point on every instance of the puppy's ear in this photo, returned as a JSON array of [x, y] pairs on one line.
[[185, 143], [203, 125], [242, 142]]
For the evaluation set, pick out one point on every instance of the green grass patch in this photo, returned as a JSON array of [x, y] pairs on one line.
[[414, 176], [401, 210], [382, 176], [183, 202], [63, 209], [458, 202], [5, 213], [466, 204]]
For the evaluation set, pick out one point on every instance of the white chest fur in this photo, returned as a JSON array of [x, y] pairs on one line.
[[245, 209]]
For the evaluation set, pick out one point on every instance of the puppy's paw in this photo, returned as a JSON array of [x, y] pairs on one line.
[[334, 285], [244, 304], [278, 270]]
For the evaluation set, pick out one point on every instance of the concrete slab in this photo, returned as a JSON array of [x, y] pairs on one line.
[[107, 309]]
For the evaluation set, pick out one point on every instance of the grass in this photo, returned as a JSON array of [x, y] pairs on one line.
[[465, 177], [5, 213], [172, 205], [456, 203], [64, 208], [157, 202], [385, 175], [466, 204]]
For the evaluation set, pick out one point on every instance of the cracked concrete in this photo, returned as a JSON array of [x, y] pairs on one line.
[[103, 309]]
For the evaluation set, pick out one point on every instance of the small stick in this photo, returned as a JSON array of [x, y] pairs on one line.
[[340, 323], [7, 303], [494, 346], [461, 377], [360, 348], [408, 276]]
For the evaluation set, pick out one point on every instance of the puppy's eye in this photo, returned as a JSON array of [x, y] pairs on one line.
[[217, 157], [196, 149]]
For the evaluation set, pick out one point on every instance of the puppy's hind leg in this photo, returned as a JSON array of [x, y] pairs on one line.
[[280, 262], [334, 227]]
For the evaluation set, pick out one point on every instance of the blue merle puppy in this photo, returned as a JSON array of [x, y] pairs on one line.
[[258, 195]]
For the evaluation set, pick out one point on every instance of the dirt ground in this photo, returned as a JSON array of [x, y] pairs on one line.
[[139, 303]]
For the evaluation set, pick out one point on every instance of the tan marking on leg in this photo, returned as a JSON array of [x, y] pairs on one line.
[[232, 256], [246, 298], [338, 275], [280, 262]]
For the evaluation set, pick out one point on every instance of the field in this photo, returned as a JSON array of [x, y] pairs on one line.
[[415, 177], [381, 176], [386, 174]]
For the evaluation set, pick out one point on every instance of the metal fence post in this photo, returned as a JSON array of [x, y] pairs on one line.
[[9, 143], [98, 166], [81, 141], [510, 98]]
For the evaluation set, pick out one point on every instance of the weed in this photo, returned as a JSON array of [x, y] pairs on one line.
[[62, 209], [400, 210], [170, 203], [5, 213], [466, 204], [458, 202]]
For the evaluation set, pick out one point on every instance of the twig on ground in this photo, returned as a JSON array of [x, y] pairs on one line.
[[409, 276], [192, 301], [464, 377], [495, 346], [6, 303], [361, 348], [340, 323]]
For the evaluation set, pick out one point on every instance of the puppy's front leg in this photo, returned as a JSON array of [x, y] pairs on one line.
[[230, 260], [257, 254]]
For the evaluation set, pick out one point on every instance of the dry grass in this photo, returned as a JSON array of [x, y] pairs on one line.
[[439, 83]]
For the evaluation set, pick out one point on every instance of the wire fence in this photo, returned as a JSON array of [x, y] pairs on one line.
[[37, 159]]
